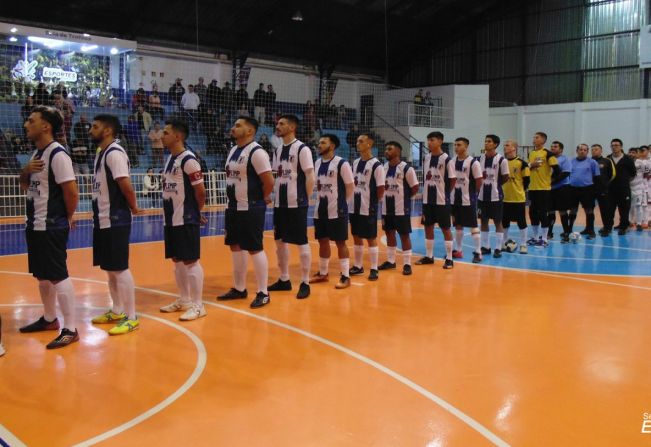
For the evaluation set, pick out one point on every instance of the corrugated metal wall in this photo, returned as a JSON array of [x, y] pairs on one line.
[[551, 51]]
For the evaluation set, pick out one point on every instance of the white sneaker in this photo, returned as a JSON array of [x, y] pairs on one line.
[[523, 249], [2, 350], [176, 306], [194, 312]]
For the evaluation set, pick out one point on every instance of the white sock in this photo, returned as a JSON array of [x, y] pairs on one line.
[[194, 276], [49, 299], [485, 240], [358, 250], [323, 265], [543, 230], [459, 239], [374, 253], [523, 236], [429, 248], [344, 264], [406, 257], [477, 240], [182, 282], [127, 291], [118, 302], [65, 294], [261, 268], [534, 231], [282, 252], [306, 262], [391, 254], [239, 270], [505, 236], [499, 240], [448, 249]]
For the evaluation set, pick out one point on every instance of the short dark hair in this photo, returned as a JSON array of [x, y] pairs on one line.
[[250, 121], [368, 135], [110, 121], [52, 116], [464, 139], [616, 140], [561, 145], [633, 149], [333, 138], [394, 144], [542, 134], [494, 138], [293, 119], [436, 134], [179, 125], [597, 145], [643, 148]]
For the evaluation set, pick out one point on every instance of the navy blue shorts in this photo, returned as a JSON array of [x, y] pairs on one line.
[[465, 216], [245, 228], [491, 210], [333, 229], [290, 225], [46, 253], [400, 224], [111, 248], [363, 226], [182, 242], [440, 214]]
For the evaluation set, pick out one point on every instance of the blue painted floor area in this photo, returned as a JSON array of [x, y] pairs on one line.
[[613, 255]]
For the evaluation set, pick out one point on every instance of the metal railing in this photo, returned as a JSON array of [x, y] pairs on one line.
[[419, 115]]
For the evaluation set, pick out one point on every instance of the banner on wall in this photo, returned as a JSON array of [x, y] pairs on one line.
[[329, 87], [243, 76]]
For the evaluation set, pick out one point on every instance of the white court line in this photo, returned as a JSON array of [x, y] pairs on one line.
[[9, 438], [472, 423], [196, 373]]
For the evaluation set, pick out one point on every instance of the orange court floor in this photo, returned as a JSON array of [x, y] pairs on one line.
[[475, 356]]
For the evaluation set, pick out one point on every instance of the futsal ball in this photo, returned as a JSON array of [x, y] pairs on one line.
[[511, 246], [575, 237]]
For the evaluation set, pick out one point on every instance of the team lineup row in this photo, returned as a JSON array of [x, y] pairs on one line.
[[454, 190]]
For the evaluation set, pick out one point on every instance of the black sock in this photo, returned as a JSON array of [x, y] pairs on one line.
[[568, 222], [590, 222]]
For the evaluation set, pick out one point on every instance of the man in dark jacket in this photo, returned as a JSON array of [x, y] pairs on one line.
[[619, 189], [606, 175]]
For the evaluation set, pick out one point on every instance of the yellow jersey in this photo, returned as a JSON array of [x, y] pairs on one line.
[[514, 188], [541, 177]]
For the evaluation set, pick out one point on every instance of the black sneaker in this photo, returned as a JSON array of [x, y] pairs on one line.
[[639, 228], [604, 233], [497, 253], [448, 264], [386, 265], [590, 235], [280, 286], [41, 325], [303, 291], [233, 294], [476, 258], [485, 251], [406, 269], [260, 300], [354, 270], [565, 240], [621, 232], [550, 235], [373, 276], [65, 338], [585, 232], [425, 260]]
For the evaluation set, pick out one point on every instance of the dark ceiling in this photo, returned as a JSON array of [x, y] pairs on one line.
[[346, 34]]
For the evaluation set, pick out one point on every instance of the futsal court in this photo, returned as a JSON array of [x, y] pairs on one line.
[[548, 348]]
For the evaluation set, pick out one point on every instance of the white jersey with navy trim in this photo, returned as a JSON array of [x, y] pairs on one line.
[[290, 163], [331, 179], [398, 182], [438, 170], [464, 193], [642, 170], [493, 168], [110, 207], [243, 184], [181, 173], [368, 175], [45, 207]]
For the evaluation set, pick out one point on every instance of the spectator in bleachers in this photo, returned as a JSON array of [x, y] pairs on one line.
[[60, 89], [190, 103], [8, 161], [265, 144], [139, 99], [427, 100], [309, 117], [134, 141], [79, 153], [144, 119], [151, 187], [212, 97], [81, 130], [418, 97], [63, 134], [259, 104], [243, 111], [155, 107], [271, 102], [201, 90], [156, 138], [228, 100], [351, 137], [242, 97], [26, 109], [176, 92], [41, 95]]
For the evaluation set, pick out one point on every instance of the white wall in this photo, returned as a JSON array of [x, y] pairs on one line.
[[572, 124]]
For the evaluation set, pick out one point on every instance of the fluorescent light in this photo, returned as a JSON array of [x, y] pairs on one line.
[[50, 43], [88, 47], [13, 39], [114, 50], [86, 35], [14, 29], [297, 17]]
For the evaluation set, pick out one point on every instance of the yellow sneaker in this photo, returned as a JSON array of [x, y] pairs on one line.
[[108, 317], [124, 327]]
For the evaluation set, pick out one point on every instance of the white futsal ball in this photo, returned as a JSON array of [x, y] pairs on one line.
[[575, 237], [511, 246]]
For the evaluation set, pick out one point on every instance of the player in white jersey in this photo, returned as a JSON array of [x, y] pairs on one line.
[[401, 184], [464, 197], [334, 185], [114, 201], [639, 190], [439, 180], [369, 190], [495, 172], [292, 163], [52, 196], [643, 153], [184, 195], [249, 183]]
